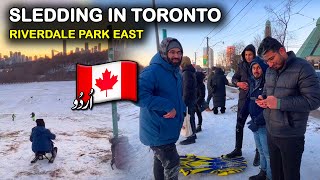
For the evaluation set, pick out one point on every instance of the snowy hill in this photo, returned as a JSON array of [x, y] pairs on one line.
[[82, 137]]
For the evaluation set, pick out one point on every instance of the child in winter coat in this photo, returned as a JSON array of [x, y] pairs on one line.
[[41, 139]]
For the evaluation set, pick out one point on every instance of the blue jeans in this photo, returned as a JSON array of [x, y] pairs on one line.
[[260, 137], [166, 163]]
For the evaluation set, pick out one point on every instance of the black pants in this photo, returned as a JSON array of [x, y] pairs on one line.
[[209, 97], [166, 164], [191, 111], [285, 157], [198, 112], [242, 116]]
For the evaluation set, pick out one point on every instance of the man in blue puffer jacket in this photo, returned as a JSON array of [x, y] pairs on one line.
[[162, 108], [258, 124]]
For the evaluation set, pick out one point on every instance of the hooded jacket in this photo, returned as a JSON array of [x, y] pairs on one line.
[[217, 84], [189, 85], [164, 48], [242, 73], [160, 90], [41, 139], [256, 89], [297, 87]]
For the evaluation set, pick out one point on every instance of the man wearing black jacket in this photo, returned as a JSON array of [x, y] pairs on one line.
[[201, 93], [291, 91], [189, 87], [240, 79]]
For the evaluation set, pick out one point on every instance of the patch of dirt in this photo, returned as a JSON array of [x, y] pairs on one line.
[[99, 133], [24, 173], [10, 134], [104, 155], [106, 158], [95, 173], [71, 118], [78, 172], [56, 173], [65, 134], [13, 147]]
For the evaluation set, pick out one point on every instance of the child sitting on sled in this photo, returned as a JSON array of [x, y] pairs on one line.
[[41, 139]]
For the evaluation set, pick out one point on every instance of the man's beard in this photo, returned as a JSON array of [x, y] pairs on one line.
[[257, 75], [175, 63]]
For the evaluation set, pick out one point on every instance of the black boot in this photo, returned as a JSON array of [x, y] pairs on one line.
[[256, 160], [234, 153], [198, 128], [190, 140], [223, 110], [215, 110], [261, 176]]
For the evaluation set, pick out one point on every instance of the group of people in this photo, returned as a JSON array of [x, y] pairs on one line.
[[277, 89]]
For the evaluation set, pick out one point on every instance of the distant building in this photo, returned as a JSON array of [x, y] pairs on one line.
[[64, 44], [310, 49], [267, 30], [99, 47], [86, 46], [230, 54]]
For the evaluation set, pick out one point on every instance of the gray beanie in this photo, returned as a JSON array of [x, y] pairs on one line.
[[174, 44]]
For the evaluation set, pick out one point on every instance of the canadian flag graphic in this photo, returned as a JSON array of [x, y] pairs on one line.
[[110, 81]]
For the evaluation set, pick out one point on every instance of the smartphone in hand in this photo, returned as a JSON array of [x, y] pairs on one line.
[[253, 98]]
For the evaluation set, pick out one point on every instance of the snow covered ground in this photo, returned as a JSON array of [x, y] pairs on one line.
[[82, 137]]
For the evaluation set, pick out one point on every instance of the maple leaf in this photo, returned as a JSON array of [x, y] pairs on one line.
[[107, 82]]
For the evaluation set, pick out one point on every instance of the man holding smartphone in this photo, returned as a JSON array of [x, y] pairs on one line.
[[291, 91]]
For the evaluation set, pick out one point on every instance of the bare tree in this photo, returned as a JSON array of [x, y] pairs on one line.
[[281, 19], [236, 57], [221, 59], [257, 40], [239, 47]]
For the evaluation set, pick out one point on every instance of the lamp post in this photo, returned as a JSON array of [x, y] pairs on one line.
[[156, 28], [213, 52]]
